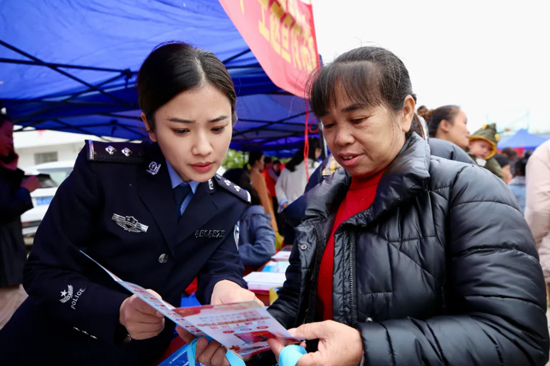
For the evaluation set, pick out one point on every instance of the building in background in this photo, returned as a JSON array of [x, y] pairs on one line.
[[38, 147]]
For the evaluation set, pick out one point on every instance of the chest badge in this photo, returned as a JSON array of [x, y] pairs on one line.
[[129, 223], [153, 168]]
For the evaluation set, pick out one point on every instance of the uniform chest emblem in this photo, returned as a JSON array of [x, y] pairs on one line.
[[153, 168], [129, 223]]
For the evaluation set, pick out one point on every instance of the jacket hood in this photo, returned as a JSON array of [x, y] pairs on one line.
[[407, 175], [488, 132]]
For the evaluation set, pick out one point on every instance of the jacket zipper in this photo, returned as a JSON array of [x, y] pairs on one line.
[[314, 284], [353, 307], [349, 246]]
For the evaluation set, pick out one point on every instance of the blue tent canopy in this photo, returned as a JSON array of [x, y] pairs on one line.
[[71, 65], [522, 139]]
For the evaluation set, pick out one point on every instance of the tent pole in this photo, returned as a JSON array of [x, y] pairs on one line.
[[65, 66], [62, 72], [66, 99], [236, 56]]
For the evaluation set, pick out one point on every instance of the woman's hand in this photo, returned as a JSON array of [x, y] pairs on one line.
[[339, 344], [140, 319]]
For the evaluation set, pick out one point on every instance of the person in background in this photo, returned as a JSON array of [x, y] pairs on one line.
[[275, 170], [447, 123], [15, 199], [328, 166], [517, 183], [294, 177], [293, 180], [256, 165], [404, 258], [537, 203], [256, 237], [271, 177], [511, 154], [505, 166], [483, 147]]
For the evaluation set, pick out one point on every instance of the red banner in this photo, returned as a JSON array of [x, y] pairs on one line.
[[281, 34]]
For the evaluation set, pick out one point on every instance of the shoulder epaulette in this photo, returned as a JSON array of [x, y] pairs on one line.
[[232, 187], [114, 152]]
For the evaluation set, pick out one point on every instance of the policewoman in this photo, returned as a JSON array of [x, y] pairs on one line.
[[155, 214]]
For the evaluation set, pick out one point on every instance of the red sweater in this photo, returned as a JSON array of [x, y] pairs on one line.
[[358, 198]]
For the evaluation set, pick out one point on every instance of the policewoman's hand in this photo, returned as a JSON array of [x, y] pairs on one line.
[[227, 292], [140, 319], [339, 344]]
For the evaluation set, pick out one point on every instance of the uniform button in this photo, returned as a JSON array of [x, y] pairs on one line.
[[163, 258], [75, 328], [127, 339], [369, 320], [303, 247], [94, 337]]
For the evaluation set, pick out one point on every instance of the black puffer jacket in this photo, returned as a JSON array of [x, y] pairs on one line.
[[440, 270]]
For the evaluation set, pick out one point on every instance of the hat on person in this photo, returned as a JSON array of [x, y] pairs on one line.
[[487, 132]]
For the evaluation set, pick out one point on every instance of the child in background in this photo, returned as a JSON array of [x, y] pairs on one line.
[[256, 237], [483, 147]]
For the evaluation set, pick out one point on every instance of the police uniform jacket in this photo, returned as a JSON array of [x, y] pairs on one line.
[[118, 207]]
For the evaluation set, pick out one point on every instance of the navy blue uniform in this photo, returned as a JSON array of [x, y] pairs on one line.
[[118, 207]]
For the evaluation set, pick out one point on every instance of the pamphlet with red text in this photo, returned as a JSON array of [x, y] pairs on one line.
[[243, 328]]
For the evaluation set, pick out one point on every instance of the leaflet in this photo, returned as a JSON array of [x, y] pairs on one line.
[[156, 303], [243, 328]]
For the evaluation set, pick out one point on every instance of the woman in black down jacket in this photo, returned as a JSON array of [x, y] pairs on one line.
[[440, 269]]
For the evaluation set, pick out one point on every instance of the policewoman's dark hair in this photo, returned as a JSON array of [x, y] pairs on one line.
[[253, 157], [314, 144], [175, 67], [369, 76], [433, 117], [241, 177]]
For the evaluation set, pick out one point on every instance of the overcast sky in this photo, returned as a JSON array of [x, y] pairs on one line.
[[490, 58]]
